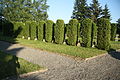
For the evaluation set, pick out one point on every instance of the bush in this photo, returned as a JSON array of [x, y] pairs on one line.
[[103, 34], [41, 25], [94, 33], [113, 31], [72, 32], [79, 25], [7, 28], [59, 32], [8, 65], [48, 30], [33, 30], [18, 29], [86, 28], [27, 29]]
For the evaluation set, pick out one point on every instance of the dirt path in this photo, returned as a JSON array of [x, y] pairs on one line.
[[105, 67]]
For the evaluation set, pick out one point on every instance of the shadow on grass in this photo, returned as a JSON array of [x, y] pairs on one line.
[[8, 63], [115, 54]]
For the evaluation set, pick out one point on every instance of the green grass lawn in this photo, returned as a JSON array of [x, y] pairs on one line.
[[76, 51], [115, 44], [11, 65]]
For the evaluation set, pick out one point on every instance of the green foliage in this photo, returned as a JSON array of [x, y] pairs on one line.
[[19, 29], [105, 12], [7, 28], [95, 10], [103, 34], [24, 10], [41, 30], [48, 30], [78, 33], [33, 27], [72, 32], [59, 32], [86, 29], [94, 33], [27, 29], [8, 65], [113, 31], [81, 10], [118, 26]]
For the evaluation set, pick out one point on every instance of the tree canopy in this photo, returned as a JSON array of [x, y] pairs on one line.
[[24, 10], [81, 10], [105, 12]]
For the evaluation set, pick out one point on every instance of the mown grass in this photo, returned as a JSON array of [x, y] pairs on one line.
[[11, 64], [115, 45], [26, 66], [76, 51]]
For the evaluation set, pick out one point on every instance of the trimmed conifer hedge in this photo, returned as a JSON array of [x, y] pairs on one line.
[[7, 28], [33, 27], [59, 31], [19, 29], [113, 31], [48, 30], [40, 28], [27, 29], [103, 34], [79, 25], [72, 32], [86, 28], [94, 33]]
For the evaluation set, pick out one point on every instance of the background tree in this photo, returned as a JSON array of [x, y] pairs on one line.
[[24, 10], [81, 10], [105, 12], [118, 26], [95, 10]]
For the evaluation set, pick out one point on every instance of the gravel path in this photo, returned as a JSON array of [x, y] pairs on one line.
[[105, 67]]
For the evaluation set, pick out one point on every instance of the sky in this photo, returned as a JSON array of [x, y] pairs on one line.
[[62, 9]]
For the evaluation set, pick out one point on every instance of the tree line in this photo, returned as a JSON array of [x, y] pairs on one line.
[[93, 11], [24, 10]]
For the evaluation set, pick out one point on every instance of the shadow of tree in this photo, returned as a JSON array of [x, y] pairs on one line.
[[114, 53], [8, 63]]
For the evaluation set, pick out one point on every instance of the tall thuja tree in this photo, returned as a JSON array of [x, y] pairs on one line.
[[81, 10], [105, 12], [118, 26], [95, 10], [103, 34], [113, 31]]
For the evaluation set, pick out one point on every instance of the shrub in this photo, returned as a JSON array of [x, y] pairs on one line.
[[59, 32], [113, 31], [86, 28], [79, 25], [18, 29], [72, 32], [33, 27], [41, 25], [48, 30], [103, 34], [27, 30], [8, 65], [94, 33], [7, 28]]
